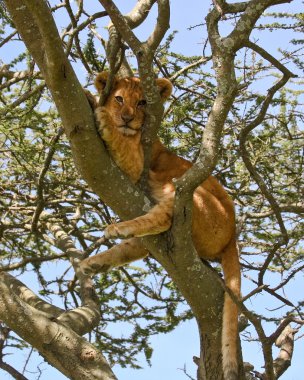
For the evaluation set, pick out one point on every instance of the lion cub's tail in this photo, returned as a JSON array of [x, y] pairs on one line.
[[231, 268]]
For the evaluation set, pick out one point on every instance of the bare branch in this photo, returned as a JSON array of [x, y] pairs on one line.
[[29, 297], [65, 243], [288, 278], [61, 346], [286, 344], [162, 25], [30, 260], [115, 47], [188, 67], [220, 5], [49, 34], [12, 371], [74, 20], [288, 208], [23, 98], [9, 37], [84, 24], [4, 333], [121, 25], [252, 12], [139, 13], [40, 184], [15, 76], [270, 58]]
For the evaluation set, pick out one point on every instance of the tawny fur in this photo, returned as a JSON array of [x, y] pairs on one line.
[[213, 225]]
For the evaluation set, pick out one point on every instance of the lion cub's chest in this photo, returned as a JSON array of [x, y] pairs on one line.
[[129, 157]]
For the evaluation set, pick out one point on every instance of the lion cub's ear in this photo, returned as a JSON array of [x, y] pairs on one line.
[[101, 80], [165, 88]]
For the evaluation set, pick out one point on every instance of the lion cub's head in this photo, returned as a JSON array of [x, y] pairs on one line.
[[126, 102]]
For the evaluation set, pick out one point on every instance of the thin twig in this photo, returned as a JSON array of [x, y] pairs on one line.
[[40, 184]]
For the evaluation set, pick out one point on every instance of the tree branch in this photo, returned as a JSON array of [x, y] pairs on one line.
[[84, 318], [4, 333], [252, 12], [62, 347], [30, 260], [139, 13], [23, 98], [12, 371], [288, 208], [30, 298], [188, 67], [121, 25], [116, 49], [286, 344], [162, 25]]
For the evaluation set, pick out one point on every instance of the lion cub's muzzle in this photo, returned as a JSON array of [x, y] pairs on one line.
[[128, 130]]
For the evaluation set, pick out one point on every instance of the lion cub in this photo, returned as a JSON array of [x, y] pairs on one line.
[[120, 123]]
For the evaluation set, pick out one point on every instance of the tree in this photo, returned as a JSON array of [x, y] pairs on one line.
[[219, 118]]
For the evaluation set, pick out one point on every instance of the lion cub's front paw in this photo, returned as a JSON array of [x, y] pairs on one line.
[[119, 230], [103, 117]]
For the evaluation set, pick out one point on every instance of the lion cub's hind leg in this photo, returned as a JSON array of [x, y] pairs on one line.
[[124, 253]]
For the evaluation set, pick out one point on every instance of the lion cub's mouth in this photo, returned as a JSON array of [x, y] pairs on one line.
[[127, 130]]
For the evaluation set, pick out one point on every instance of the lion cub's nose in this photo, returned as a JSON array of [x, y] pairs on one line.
[[127, 117]]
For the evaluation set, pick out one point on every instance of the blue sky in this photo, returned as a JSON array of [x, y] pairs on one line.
[[175, 350]]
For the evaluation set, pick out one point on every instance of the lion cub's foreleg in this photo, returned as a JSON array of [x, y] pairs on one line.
[[110, 135], [124, 253], [157, 220]]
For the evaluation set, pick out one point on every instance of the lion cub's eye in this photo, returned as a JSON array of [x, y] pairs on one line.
[[142, 103], [119, 99]]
